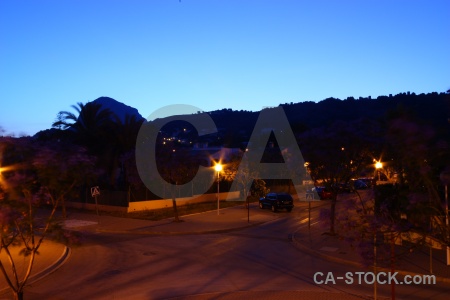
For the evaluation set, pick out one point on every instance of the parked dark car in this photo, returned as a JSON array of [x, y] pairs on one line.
[[359, 184], [277, 201], [369, 181]]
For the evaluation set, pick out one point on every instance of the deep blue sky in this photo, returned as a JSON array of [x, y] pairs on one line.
[[214, 54]]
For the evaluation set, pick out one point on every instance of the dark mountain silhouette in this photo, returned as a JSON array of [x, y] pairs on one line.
[[235, 127], [433, 108], [118, 108]]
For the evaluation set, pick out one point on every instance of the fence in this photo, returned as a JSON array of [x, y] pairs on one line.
[[120, 203]]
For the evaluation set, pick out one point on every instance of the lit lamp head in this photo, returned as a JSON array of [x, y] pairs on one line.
[[378, 165], [218, 167]]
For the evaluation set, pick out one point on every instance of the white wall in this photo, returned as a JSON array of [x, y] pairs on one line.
[[156, 204]]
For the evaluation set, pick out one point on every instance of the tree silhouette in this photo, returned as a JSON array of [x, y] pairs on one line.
[[177, 167], [60, 169], [336, 154], [244, 178], [102, 133], [247, 175], [419, 155], [92, 125], [26, 186], [90, 118], [121, 149]]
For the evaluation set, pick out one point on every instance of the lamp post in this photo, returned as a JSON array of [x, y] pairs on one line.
[[218, 168], [306, 164], [378, 166], [445, 178]]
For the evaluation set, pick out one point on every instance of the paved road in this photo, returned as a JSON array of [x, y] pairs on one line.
[[254, 263]]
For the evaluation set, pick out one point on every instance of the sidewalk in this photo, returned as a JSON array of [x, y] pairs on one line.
[[51, 256]]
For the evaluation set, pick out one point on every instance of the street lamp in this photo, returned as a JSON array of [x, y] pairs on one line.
[[218, 168], [306, 164], [378, 166]]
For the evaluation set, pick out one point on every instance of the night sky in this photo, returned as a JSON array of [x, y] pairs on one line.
[[213, 54]]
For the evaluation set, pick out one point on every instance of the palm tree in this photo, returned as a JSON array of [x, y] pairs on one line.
[[92, 121], [93, 127], [103, 133]]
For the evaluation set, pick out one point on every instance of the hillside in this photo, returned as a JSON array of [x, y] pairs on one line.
[[432, 109], [235, 127], [118, 108]]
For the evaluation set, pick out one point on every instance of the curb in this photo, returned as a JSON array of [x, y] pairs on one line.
[[175, 233], [338, 260], [53, 267], [47, 271]]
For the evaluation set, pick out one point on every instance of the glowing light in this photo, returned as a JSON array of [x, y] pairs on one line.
[[218, 167], [378, 165]]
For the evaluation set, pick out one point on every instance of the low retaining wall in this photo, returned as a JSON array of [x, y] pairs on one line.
[[163, 203], [155, 204]]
